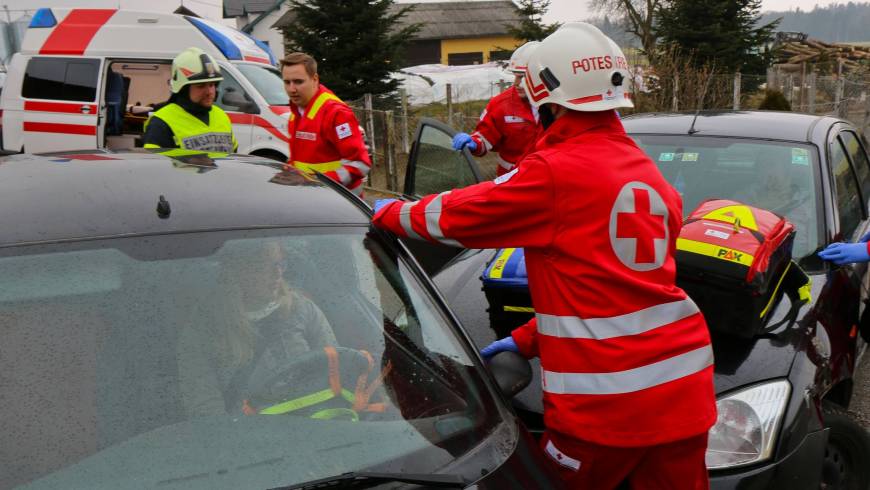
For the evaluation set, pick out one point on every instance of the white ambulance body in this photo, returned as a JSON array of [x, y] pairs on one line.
[[88, 78]]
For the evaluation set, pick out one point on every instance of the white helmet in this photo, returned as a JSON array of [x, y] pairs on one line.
[[520, 58], [579, 68]]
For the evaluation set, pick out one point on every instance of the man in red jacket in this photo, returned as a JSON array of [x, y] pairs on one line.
[[627, 365], [509, 124], [324, 133]]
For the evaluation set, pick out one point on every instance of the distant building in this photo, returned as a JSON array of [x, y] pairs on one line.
[[452, 33], [257, 18], [461, 33]]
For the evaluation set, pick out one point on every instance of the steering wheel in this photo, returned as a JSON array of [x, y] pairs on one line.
[[323, 384]]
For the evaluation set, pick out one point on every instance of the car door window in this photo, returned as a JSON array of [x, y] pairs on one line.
[[233, 97], [859, 160], [848, 200], [434, 166]]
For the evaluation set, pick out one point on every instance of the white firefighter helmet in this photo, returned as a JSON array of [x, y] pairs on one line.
[[520, 57], [191, 66], [579, 68]]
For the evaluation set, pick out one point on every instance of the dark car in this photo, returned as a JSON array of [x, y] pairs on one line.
[[783, 395], [183, 320]]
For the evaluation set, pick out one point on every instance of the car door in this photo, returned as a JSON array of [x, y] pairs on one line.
[[434, 167], [856, 154], [847, 284]]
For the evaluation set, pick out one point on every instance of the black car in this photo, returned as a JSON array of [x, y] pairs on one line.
[[783, 395], [184, 320]]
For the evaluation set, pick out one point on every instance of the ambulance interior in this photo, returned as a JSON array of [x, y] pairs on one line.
[[133, 90]]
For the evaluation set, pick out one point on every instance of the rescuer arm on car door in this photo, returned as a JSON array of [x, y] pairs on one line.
[[509, 124], [190, 120], [324, 134]]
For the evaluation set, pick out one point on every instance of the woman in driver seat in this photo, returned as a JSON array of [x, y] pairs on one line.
[[257, 326]]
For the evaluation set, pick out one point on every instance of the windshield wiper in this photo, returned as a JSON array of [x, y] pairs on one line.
[[365, 479]]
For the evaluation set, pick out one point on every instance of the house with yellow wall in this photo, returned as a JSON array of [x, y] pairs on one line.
[[461, 33]]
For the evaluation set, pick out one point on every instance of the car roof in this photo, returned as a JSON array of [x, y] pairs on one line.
[[80, 195], [788, 126]]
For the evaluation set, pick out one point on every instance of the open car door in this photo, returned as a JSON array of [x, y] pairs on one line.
[[434, 167]]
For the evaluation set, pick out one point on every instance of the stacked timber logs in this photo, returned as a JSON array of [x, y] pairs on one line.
[[792, 54]]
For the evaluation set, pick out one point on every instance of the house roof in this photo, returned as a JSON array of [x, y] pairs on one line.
[[451, 20], [448, 20], [238, 8]]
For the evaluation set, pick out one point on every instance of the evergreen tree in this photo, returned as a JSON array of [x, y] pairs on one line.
[[357, 43], [722, 34], [532, 27]]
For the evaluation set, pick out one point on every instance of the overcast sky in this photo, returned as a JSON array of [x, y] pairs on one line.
[[560, 10]]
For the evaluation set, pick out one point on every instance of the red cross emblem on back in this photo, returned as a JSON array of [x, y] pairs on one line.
[[639, 227], [643, 226]]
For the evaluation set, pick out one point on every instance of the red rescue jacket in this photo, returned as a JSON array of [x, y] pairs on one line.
[[625, 354], [325, 137], [508, 126]]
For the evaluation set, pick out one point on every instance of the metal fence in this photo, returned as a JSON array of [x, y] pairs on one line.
[[390, 124]]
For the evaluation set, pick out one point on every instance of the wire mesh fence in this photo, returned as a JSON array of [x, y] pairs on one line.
[[390, 123]]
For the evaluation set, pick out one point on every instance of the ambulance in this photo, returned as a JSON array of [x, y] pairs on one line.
[[89, 78]]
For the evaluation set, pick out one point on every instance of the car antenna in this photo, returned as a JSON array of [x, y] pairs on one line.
[[692, 129]]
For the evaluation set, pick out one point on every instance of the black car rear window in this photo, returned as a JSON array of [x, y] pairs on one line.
[[61, 79]]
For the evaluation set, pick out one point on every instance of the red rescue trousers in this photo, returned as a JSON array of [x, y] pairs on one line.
[[677, 465]]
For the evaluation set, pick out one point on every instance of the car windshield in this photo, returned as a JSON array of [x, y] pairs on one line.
[[227, 360], [267, 81], [777, 176]]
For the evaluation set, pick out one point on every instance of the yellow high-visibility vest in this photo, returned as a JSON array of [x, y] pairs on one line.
[[191, 133]]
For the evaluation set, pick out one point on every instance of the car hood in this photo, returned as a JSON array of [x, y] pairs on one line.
[[739, 362]]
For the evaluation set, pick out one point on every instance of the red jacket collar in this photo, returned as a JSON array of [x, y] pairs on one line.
[[322, 88], [576, 122]]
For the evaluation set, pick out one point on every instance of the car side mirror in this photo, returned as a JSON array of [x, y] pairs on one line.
[[511, 371], [233, 98]]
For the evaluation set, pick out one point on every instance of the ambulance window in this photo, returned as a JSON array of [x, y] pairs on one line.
[[848, 200], [233, 97], [61, 79]]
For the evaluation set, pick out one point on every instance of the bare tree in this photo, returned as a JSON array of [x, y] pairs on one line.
[[638, 16]]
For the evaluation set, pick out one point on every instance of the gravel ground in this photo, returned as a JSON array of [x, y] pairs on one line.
[[860, 404]]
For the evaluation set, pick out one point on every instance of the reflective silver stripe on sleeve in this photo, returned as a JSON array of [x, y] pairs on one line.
[[343, 175], [433, 217], [357, 191], [405, 220], [361, 166], [637, 322], [486, 142], [505, 164], [631, 380]]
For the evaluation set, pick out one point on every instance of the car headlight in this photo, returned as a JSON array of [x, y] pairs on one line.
[[747, 425]]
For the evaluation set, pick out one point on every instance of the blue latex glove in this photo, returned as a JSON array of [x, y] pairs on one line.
[[379, 203], [845, 253], [501, 345], [463, 139]]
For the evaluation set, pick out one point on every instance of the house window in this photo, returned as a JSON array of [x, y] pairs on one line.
[[475, 58], [500, 55]]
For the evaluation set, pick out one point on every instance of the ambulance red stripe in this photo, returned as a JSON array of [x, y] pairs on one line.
[[30, 105], [44, 127], [74, 33], [239, 118], [258, 60]]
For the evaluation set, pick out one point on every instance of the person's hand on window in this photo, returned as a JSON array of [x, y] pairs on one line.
[[464, 139], [846, 253], [501, 345]]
